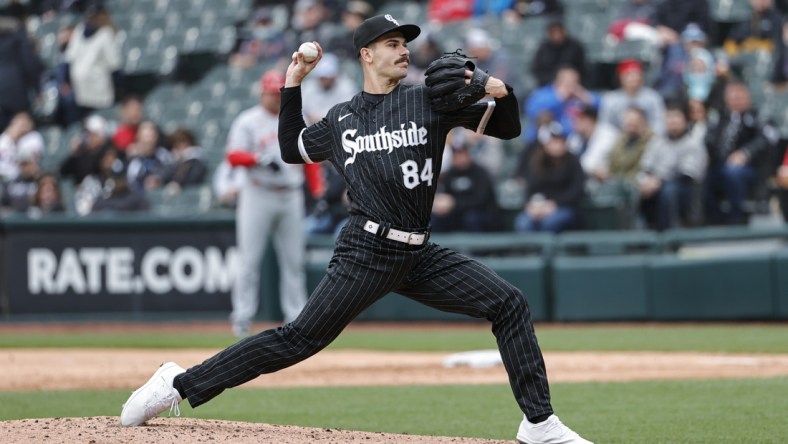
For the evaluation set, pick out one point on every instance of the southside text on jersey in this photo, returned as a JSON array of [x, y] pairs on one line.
[[382, 140]]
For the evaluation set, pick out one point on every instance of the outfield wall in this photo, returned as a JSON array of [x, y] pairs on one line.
[[141, 267]]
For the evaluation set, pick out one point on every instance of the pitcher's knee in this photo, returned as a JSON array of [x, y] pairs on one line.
[[512, 303], [303, 345]]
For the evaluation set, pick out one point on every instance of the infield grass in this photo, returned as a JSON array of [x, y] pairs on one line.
[[722, 411], [732, 338]]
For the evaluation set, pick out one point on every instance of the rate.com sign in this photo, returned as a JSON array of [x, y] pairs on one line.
[[186, 270], [121, 270]]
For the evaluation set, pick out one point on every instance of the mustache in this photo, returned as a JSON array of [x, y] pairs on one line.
[[403, 59]]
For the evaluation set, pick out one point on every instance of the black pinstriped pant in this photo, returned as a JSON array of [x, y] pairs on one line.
[[364, 269]]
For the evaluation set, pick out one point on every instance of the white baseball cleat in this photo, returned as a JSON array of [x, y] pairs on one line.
[[156, 396], [550, 431]]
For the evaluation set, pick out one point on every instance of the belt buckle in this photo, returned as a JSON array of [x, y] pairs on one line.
[[408, 240]]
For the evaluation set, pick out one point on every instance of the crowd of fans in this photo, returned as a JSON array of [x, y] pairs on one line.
[[687, 148]]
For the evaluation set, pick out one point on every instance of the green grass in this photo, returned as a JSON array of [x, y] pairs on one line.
[[744, 338], [724, 411]]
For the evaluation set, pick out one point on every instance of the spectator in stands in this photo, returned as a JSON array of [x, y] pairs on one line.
[[326, 87], [615, 183], [698, 120], [490, 57], [18, 193], [186, 168], [738, 145], [691, 69], [86, 150], [699, 73], [426, 48], [715, 102], [555, 189], [355, 12], [488, 152], [671, 175], [761, 32], [94, 61], [779, 76], [673, 16], [557, 50], [98, 184], [19, 136], [264, 42], [562, 99], [131, 114], [642, 11], [465, 200], [591, 140], [446, 11], [120, 196], [531, 8], [635, 139], [48, 198], [483, 8], [55, 90], [633, 92], [542, 120], [20, 70], [16, 9], [146, 157], [634, 20], [310, 22]]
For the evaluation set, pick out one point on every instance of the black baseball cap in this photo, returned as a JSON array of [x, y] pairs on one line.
[[374, 27]]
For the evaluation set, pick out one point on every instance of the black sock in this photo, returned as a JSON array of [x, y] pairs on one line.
[[176, 384], [540, 418]]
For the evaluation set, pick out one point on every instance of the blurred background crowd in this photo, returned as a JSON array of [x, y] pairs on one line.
[[637, 114]]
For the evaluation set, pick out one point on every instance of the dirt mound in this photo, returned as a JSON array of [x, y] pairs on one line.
[[106, 429]]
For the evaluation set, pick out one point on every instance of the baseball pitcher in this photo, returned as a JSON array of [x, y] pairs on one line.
[[387, 143]]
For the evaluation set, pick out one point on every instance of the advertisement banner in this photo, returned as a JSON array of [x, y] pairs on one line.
[[120, 269]]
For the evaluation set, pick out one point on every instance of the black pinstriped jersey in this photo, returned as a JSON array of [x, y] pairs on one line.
[[388, 147]]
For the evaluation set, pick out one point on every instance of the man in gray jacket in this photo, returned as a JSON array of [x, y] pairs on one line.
[[671, 174]]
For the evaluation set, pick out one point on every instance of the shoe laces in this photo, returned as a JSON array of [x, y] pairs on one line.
[[153, 408]]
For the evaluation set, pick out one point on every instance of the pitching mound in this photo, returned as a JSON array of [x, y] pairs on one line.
[[106, 429]]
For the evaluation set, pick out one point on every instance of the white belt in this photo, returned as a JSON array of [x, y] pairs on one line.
[[397, 235]]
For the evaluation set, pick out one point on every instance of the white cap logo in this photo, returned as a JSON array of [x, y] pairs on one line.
[[391, 19]]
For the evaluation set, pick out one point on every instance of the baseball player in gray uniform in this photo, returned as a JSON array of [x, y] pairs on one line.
[[270, 205], [387, 143]]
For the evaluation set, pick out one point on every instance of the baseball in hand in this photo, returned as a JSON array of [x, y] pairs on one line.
[[309, 50]]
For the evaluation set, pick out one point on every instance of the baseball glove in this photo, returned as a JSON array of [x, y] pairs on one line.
[[446, 86]]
